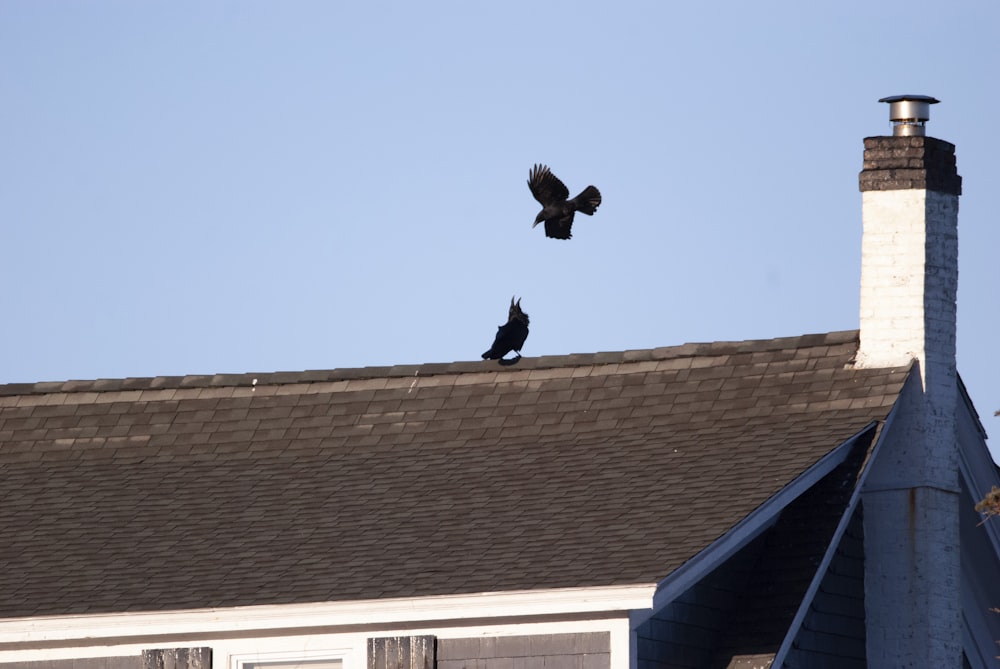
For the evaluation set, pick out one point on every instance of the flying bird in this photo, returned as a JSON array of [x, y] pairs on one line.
[[510, 335], [557, 210]]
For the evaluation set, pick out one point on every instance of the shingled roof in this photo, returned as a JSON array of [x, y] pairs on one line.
[[580, 470]]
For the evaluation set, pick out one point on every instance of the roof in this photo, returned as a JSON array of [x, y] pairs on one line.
[[563, 471]]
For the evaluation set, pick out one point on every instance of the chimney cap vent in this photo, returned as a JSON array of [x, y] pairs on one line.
[[908, 113]]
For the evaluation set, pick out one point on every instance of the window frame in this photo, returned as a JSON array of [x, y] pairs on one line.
[[336, 658]]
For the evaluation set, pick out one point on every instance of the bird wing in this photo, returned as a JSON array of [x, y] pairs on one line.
[[501, 344], [546, 187], [559, 228]]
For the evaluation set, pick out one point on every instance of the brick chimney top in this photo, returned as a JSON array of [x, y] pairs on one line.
[[908, 113]]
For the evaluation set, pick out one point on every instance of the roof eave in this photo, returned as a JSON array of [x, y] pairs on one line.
[[750, 527], [100, 629]]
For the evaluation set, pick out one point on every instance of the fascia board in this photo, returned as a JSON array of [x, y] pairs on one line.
[[831, 548], [745, 531], [92, 629]]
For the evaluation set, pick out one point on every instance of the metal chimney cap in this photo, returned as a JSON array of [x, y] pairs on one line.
[[908, 113], [923, 98]]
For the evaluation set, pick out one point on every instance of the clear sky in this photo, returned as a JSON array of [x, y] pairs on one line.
[[198, 187]]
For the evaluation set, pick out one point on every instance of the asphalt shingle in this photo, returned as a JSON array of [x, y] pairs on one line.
[[579, 470]]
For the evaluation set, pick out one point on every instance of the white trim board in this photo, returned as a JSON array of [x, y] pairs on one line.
[[98, 629], [349, 646]]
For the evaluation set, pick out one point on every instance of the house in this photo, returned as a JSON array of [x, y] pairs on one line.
[[804, 501]]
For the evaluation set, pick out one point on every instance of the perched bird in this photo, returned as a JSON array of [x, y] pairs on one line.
[[510, 335], [557, 210]]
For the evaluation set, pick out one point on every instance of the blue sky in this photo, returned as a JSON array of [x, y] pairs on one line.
[[207, 187]]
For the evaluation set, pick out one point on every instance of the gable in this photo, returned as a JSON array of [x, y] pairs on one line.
[[798, 580]]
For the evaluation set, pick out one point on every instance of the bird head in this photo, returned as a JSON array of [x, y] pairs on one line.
[[515, 313]]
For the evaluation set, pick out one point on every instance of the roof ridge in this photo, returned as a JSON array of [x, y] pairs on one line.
[[250, 379]]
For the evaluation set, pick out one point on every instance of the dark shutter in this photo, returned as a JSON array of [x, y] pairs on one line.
[[402, 652], [177, 658]]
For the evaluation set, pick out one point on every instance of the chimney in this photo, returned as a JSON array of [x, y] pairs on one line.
[[909, 283], [909, 252]]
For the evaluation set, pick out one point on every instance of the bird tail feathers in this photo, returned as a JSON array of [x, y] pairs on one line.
[[588, 201]]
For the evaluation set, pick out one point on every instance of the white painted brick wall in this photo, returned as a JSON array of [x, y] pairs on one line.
[[909, 235], [909, 281], [912, 576]]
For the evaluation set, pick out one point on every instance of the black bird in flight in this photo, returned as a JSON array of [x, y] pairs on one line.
[[557, 210], [510, 335]]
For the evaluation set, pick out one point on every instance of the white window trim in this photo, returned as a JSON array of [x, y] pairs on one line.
[[258, 660]]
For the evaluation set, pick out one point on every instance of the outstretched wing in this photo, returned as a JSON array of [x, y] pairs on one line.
[[546, 186]]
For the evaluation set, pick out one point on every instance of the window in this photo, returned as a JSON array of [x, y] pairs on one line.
[[311, 659], [293, 664]]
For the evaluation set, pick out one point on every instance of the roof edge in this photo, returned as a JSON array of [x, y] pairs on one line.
[[98, 629], [756, 522], [249, 380], [831, 548]]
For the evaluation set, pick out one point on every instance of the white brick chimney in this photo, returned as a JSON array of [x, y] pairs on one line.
[[909, 252], [909, 281]]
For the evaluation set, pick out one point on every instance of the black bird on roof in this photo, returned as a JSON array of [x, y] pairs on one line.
[[510, 335], [557, 210]]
